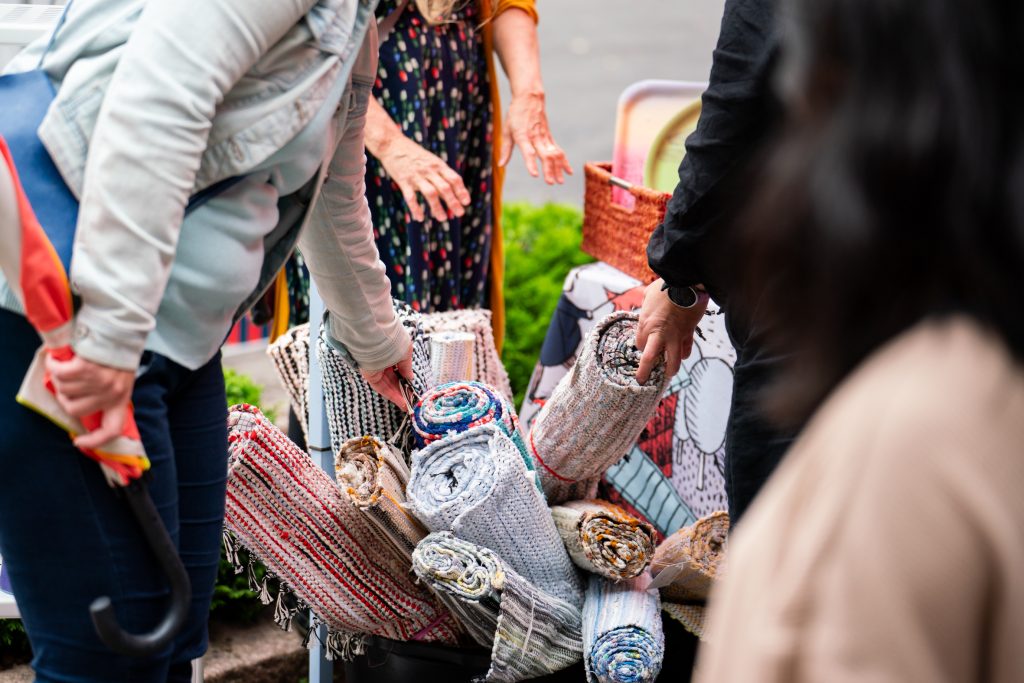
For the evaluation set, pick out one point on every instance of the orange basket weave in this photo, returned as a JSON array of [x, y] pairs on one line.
[[613, 233]]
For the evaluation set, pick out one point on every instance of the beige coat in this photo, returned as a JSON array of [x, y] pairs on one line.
[[889, 546]]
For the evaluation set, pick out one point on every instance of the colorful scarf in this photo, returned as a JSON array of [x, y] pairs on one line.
[[596, 412], [297, 522], [530, 632], [602, 539], [623, 640], [686, 563], [374, 475], [475, 485]]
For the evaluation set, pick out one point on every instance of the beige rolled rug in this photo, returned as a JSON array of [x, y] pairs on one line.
[[690, 616], [374, 475], [596, 412], [603, 539], [687, 563]]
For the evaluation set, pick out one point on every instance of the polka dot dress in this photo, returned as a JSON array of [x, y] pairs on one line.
[[433, 82]]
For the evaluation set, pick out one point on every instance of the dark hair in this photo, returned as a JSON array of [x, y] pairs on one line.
[[896, 189]]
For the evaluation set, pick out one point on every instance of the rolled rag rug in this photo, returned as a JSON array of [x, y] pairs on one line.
[[451, 357], [290, 353], [353, 408], [690, 616], [475, 485], [603, 539], [297, 521], [374, 476], [623, 640], [687, 563], [457, 406], [530, 632], [486, 362], [595, 413]]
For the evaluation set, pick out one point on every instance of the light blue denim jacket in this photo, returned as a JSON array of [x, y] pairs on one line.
[[157, 99]]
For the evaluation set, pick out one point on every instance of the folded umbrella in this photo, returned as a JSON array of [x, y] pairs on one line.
[[38, 277]]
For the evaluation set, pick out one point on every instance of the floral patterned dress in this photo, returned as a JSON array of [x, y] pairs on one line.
[[433, 82]]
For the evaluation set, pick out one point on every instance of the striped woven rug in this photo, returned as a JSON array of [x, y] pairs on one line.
[[297, 521], [602, 539]]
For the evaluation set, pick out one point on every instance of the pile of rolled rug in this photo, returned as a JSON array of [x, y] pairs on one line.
[[595, 414], [467, 534]]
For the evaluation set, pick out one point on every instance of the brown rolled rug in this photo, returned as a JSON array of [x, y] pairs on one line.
[[603, 539], [374, 474], [687, 563]]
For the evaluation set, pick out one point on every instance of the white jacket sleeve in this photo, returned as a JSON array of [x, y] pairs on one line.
[[181, 60], [339, 248]]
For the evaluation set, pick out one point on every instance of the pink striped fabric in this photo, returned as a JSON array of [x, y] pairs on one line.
[[303, 527]]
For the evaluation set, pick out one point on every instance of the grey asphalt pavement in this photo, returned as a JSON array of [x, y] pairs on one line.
[[591, 50]]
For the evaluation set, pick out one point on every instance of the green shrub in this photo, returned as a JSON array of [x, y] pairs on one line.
[[14, 647], [541, 245], [242, 389]]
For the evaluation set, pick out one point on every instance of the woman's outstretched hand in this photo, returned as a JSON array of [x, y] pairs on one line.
[[526, 125], [414, 169]]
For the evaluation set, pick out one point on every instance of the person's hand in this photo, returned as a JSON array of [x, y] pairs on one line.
[[665, 330], [414, 169], [526, 125], [84, 388], [386, 383]]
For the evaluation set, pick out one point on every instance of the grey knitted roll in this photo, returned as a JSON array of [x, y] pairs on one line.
[[476, 485], [596, 412]]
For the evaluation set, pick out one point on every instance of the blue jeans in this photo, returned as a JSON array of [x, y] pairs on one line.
[[67, 537]]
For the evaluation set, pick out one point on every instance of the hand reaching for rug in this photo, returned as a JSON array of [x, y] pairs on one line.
[[386, 382], [665, 329]]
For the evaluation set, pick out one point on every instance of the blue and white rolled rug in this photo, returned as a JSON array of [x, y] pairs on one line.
[[475, 485], [623, 640]]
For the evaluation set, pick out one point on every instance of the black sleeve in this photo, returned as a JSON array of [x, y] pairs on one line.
[[737, 110]]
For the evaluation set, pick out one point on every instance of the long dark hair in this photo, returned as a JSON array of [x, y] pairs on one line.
[[896, 190]]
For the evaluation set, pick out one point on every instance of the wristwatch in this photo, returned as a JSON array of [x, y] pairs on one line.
[[683, 297]]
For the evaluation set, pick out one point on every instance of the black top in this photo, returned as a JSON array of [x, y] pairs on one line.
[[738, 112]]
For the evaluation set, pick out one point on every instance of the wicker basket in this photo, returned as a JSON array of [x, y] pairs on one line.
[[615, 234]]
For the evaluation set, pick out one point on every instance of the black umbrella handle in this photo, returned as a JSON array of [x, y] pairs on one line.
[[102, 611]]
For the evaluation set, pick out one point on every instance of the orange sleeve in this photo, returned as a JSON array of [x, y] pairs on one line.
[[528, 6]]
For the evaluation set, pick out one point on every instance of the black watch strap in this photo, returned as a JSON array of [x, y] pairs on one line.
[[683, 297]]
